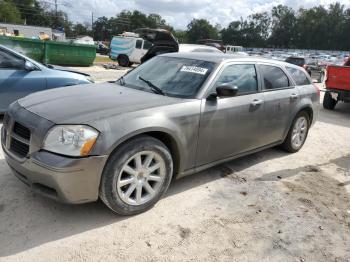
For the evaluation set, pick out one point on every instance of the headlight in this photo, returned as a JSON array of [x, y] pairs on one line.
[[71, 140]]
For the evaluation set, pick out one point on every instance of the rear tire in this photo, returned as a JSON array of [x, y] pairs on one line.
[[128, 184], [328, 102], [123, 60], [297, 133]]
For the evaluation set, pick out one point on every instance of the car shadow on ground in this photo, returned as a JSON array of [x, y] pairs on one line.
[[29, 220]]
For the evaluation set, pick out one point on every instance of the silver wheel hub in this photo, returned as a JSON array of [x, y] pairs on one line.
[[141, 178], [299, 132]]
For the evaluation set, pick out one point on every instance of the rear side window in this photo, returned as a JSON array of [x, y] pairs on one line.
[[299, 76], [242, 76], [138, 44], [274, 77], [296, 61]]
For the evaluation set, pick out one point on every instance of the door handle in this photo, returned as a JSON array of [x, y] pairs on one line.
[[294, 96], [257, 102]]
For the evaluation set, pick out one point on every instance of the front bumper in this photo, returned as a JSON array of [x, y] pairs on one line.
[[66, 179], [61, 178]]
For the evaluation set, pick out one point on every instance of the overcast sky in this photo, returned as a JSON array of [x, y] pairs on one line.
[[180, 12]]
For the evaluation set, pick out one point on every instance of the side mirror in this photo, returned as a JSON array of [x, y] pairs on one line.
[[29, 66], [226, 90]]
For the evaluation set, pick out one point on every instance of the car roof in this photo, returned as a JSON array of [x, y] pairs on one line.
[[222, 57], [190, 47]]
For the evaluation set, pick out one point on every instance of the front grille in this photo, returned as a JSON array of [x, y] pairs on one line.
[[19, 148], [16, 138], [21, 131]]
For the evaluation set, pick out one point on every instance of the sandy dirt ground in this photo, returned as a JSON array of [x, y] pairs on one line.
[[269, 206]]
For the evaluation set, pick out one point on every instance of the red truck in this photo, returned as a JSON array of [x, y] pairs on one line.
[[337, 85]]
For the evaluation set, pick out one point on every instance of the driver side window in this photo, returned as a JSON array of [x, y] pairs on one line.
[[9, 61], [242, 76]]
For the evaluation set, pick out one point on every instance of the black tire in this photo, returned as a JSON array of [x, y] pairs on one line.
[[108, 185], [123, 60], [328, 102], [287, 144]]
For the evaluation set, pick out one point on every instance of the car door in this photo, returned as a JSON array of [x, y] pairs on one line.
[[145, 47], [136, 54], [231, 125], [280, 96], [15, 81]]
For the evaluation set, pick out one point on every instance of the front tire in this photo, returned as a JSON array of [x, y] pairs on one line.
[[123, 60], [328, 102], [136, 176], [297, 133]]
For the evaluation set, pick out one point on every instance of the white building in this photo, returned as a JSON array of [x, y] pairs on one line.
[[29, 31]]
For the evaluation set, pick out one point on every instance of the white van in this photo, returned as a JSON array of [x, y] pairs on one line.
[[230, 49], [128, 48]]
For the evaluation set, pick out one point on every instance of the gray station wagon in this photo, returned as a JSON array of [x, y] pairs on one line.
[[175, 115]]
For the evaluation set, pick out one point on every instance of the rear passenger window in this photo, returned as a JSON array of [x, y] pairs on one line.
[[299, 76], [274, 77], [138, 44], [242, 76]]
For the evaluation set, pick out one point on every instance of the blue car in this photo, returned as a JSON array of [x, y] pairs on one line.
[[21, 76]]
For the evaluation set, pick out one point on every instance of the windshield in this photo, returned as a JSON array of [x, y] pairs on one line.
[[178, 77]]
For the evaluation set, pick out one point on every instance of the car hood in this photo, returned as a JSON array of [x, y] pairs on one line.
[[66, 69], [84, 103]]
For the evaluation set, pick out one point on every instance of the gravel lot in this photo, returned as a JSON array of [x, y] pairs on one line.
[[270, 206]]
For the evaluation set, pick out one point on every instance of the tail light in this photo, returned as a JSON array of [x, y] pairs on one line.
[[317, 89]]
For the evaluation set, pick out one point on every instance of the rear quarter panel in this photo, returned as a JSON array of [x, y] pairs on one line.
[[122, 45], [309, 98]]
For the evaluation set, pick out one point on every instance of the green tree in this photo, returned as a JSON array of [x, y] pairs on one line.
[[283, 31], [181, 36], [201, 29], [9, 12]]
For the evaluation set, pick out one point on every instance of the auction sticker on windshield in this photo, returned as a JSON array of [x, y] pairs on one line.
[[194, 69]]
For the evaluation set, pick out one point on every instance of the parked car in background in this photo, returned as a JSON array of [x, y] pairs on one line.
[[102, 49], [230, 49], [20, 76], [337, 86], [198, 48], [299, 61], [174, 115]]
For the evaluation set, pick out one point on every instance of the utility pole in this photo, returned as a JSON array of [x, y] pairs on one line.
[[56, 13], [92, 24]]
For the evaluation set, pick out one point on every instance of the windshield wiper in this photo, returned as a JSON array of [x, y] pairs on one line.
[[121, 81], [153, 87]]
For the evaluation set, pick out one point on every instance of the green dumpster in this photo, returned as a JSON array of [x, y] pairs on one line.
[[50, 52], [60, 53], [32, 48]]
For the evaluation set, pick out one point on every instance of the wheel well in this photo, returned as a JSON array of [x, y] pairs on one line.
[[171, 144], [309, 111], [167, 140], [122, 55]]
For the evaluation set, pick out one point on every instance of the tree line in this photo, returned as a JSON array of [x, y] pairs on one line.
[[318, 27]]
